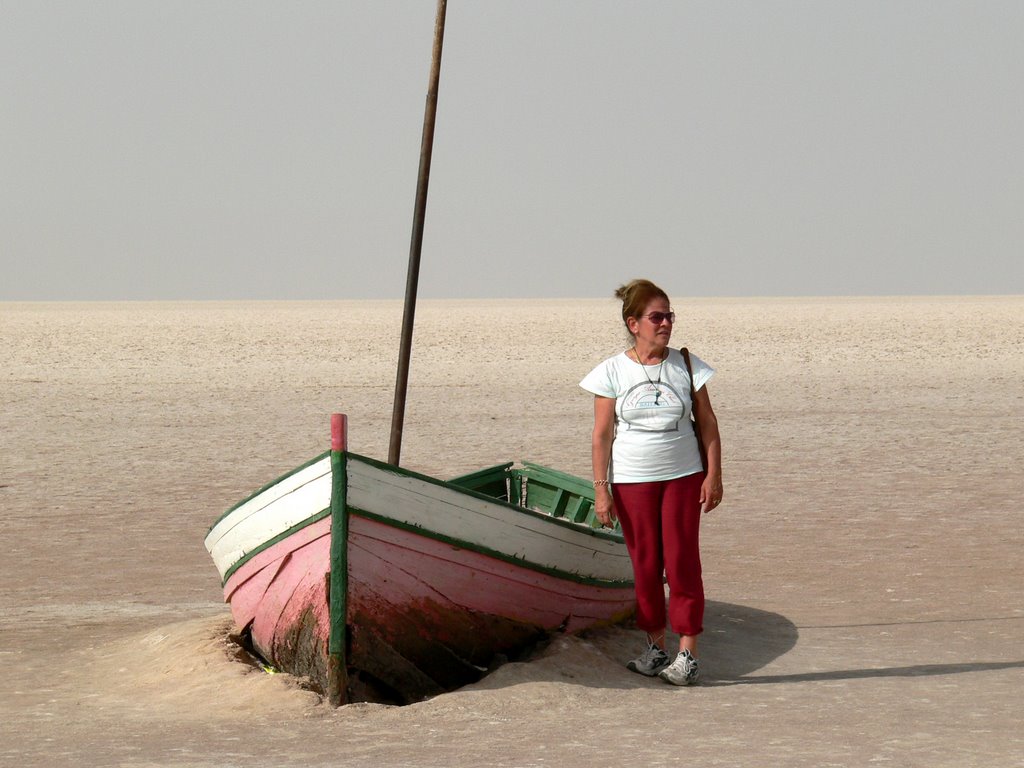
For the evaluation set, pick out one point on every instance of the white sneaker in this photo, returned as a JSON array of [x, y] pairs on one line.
[[650, 662], [683, 671]]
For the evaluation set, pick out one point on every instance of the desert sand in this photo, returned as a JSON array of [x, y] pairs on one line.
[[863, 574]]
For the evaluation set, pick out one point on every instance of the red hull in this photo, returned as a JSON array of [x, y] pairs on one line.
[[424, 616]]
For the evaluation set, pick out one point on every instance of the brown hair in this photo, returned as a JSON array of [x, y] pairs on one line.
[[635, 296]]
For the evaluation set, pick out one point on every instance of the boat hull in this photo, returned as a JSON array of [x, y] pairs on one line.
[[442, 582]]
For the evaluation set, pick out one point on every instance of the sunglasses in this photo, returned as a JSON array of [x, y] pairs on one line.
[[658, 317]]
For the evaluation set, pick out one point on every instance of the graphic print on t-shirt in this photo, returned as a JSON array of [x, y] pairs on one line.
[[642, 407]]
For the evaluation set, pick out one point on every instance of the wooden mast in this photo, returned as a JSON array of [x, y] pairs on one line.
[[419, 215]]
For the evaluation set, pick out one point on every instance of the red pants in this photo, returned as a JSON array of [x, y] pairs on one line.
[[661, 524]]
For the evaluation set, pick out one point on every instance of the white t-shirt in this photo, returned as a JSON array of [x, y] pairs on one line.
[[653, 436]]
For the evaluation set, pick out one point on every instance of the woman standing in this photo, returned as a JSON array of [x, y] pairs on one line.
[[648, 473]]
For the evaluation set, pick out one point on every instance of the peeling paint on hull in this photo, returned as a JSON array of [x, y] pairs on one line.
[[425, 614], [429, 618]]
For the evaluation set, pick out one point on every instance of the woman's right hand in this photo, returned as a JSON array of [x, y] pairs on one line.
[[604, 507], [604, 433]]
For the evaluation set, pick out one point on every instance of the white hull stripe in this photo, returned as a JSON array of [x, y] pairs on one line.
[[430, 507]]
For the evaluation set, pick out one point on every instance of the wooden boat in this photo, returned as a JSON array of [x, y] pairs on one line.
[[381, 584], [441, 580]]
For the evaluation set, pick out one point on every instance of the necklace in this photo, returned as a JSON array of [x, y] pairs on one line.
[[657, 388]]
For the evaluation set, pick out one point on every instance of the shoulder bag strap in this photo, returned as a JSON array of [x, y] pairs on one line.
[[693, 410]]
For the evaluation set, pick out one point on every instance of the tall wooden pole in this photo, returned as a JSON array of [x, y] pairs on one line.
[[416, 247]]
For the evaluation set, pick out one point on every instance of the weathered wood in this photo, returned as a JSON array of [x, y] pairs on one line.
[[443, 581], [493, 481], [470, 520], [579, 509], [558, 493]]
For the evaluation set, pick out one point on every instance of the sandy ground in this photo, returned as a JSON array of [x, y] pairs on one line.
[[864, 574]]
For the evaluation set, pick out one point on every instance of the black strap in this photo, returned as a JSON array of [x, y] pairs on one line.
[[693, 409]]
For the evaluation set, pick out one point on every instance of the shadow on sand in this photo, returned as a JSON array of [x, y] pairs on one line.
[[740, 640], [746, 639], [913, 670]]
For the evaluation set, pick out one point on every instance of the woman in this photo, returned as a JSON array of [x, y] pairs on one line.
[[649, 475]]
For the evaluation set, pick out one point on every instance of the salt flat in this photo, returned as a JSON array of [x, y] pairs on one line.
[[863, 574]]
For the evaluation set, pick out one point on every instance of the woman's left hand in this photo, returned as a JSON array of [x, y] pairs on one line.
[[710, 493], [711, 488]]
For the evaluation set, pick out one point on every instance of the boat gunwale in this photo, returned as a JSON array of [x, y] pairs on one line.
[[601, 533], [582, 528], [614, 535], [266, 487]]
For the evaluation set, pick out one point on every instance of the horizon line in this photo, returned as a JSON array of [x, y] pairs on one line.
[[398, 299]]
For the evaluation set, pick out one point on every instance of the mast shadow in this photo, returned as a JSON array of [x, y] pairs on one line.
[[739, 640], [913, 670], [742, 640]]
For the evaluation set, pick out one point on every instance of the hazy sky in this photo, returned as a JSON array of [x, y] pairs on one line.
[[231, 150]]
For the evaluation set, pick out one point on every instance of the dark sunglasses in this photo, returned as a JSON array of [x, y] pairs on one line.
[[658, 317]]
